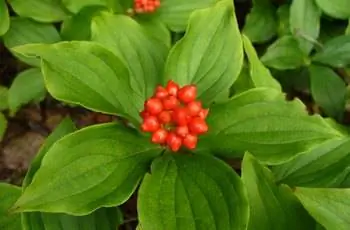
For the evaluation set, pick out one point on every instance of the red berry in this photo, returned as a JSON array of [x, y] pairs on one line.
[[156, 3], [170, 102], [194, 108], [165, 117], [181, 131], [161, 92], [159, 136], [187, 93], [180, 116], [144, 114], [203, 113], [198, 126], [172, 88], [150, 124], [154, 106], [174, 142], [190, 141]]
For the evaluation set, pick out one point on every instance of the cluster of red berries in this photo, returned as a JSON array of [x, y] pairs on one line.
[[146, 6], [174, 117]]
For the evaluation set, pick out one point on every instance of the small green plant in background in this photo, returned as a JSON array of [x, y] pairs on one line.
[[194, 104]]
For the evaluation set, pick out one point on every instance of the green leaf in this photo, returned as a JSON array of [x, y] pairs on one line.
[[347, 31], [76, 5], [243, 82], [193, 193], [141, 53], [40, 10], [87, 74], [283, 14], [336, 8], [24, 31], [105, 218], [260, 75], [328, 90], [3, 98], [305, 23], [271, 206], [335, 52], [4, 18], [28, 86], [284, 54], [101, 219], [156, 29], [210, 55], [78, 26], [262, 122], [330, 207], [261, 23], [64, 128], [8, 195], [3, 125], [99, 166], [327, 165], [176, 13]]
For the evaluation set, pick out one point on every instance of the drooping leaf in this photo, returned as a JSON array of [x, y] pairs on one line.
[[87, 74], [3, 125], [8, 196], [285, 53], [141, 53], [4, 18], [271, 206], [25, 31], [28, 86], [76, 5], [283, 14], [260, 75], [193, 193], [330, 207], [175, 13], [40, 10], [210, 55], [261, 23], [99, 166], [262, 122], [305, 23], [328, 90], [326, 165], [336, 8], [3, 98], [335, 52], [78, 26]]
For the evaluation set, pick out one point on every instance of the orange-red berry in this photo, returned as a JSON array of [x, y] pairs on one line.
[[180, 116], [154, 106], [198, 126], [164, 117], [187, 93], [161, 92], [190, 141], [170, 103], [150, 124], [194, 108], [172, 88], [174, 142], [203, 113], [159, 136], [182, 131]]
